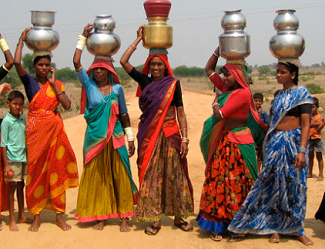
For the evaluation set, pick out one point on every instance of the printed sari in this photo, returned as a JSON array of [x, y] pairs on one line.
[[52, 166], [230, 156], [277, 201], [165, 186]]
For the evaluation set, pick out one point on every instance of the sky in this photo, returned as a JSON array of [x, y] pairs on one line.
[[196, 27]]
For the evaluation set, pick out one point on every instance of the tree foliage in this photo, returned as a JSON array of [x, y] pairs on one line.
[[184, 71], [314, 89], [66, 74], [264, 70]]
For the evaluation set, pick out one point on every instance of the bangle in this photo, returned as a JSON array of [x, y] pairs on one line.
[[215, 55], [129, 134], [132, 47], [4, 67], [79, 69], [81, 42], [221, 115], [215, 103], [303, 144], [59, 94], [3, 44], [302, 150], [184, 129], [185, 140]]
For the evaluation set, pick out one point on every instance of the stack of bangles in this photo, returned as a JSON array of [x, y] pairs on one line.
[[81, 42], [216, 103], [129, 134], [303, 149], [132, 47], [185, 140], [3, 45]]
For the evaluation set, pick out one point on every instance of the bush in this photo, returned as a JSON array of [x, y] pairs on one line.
[[264, 77], [264, 70], [314, 89]]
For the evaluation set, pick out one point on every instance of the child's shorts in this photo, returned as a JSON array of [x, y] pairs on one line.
[[20, 171], [316, 145]]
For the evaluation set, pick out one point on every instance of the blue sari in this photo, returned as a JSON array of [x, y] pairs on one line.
[[277, 201]]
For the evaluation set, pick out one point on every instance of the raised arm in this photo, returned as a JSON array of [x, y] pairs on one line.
[[212, 62], [18, 54], [129, 51], [5, 49], [80, 46]]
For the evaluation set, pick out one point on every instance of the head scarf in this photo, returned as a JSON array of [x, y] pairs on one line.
[[239, 73], [96, 64], [145, 69]]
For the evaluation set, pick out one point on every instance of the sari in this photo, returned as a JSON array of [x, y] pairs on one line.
[[277, 201], [3, 188], [230, 156], [165, 186], [52, 166], [106, 186], [320, 214]]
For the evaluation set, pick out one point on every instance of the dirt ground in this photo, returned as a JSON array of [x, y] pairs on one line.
[[198, 108]]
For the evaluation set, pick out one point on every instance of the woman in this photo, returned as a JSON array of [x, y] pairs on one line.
[[52, 166], [276, 203], [5, 87], [162, 152], [228, 148], [106, 187]]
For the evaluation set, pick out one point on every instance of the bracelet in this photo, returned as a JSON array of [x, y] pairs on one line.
[[221, 115], [184, 129], [132, 47], [3, 44], [185, 140], [129, 134], [215, 103], [79, 69], [303, 144], [215, 55], [59, 94], [4, 67], [81, 42], [302, 150]]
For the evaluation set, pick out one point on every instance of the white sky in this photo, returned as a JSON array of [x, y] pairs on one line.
[[196, 23]]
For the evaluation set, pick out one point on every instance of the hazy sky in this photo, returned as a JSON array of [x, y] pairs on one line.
[[196, 23]]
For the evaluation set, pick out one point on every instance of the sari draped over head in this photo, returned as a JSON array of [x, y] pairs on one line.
[[52, 166], [277, 201], [213, 128], [96, 64], [154, 102]]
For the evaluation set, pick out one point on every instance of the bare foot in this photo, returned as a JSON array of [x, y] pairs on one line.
[[61, 223], [305, 240], [24, 220], [13, 226], [100, 225], [320, 178], [275, 238], [35, 224], [310, 176], [124, 225]]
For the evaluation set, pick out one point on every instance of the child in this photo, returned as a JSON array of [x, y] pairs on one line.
[[14, 156], [315, 141], [258, 100]]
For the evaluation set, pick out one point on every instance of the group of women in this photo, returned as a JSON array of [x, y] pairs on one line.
[[234, 196]]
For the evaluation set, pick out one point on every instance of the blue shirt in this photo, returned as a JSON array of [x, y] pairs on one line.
[[264, 117], [13, 137], [94, 95]]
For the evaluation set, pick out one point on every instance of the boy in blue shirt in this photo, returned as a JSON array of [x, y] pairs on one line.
[[14, 156], [258, 101]]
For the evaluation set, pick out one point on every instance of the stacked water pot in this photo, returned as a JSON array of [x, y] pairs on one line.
[[103, 42], [234, 43], [42, 38], [157, 34], [287, 45]]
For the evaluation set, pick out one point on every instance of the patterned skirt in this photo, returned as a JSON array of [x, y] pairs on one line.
[[165, 187], [225, 188], [277, 201]]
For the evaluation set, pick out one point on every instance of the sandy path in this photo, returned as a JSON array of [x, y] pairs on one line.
[[198, 108]]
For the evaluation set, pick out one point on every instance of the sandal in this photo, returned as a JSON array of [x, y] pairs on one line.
[[183, 225], [154, 230], [215, 236], [236, 237]]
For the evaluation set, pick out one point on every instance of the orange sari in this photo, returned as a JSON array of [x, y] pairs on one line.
[[52, 166]]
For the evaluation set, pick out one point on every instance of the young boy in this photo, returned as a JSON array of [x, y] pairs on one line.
[[258, 100], [14, 156], [315, 141]]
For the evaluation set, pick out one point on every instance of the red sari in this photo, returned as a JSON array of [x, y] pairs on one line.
[[52, 166]]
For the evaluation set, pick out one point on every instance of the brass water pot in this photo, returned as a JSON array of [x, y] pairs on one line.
[[157, 34]]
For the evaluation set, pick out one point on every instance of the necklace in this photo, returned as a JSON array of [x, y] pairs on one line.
[[105, 91], [39, 83]]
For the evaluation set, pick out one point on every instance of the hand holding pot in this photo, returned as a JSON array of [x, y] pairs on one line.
[[89, 27]]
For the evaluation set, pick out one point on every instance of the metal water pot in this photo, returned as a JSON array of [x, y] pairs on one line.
[[42, 37], [103, 41], [234, 43], [286, 43]]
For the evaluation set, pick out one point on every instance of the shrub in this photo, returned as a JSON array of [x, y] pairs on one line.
[[314, 89], [263, 77]]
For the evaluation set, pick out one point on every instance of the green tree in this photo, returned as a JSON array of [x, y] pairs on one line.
[[264, 70], [28, 63], [66, 74]]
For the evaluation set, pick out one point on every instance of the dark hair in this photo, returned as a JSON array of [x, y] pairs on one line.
[[292, 69], [258, 96], [316, 101], [37, 58], [15, 95]]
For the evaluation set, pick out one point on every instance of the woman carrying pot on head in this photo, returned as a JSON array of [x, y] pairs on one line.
[[228, 148], [165, 186], [52, 166], [276, 203], [106, 187]]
